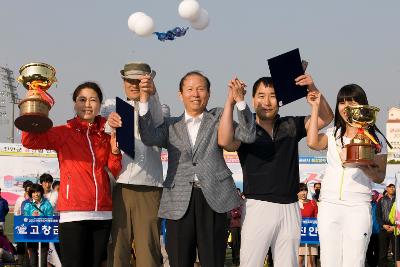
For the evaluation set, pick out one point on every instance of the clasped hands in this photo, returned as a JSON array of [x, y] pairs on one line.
[[236, 91]]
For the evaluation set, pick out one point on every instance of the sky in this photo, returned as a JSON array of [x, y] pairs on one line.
[[343, 41]]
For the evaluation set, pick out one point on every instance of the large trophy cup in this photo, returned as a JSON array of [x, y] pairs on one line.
[[34, 109], [361, 149]]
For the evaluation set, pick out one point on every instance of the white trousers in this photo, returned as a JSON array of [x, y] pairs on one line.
[[344, 233], [267, 224]]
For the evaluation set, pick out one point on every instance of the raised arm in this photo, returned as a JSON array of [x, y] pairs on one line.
[[230, 134], [325, 114], [150, 134], [226, 130], [314, 140], [47, 140], [155, 109]]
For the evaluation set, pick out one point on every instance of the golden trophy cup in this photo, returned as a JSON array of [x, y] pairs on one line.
[[361, 149], [37, 78]]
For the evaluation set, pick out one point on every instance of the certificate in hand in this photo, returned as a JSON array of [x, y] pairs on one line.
[[126, 133], [284, 70]]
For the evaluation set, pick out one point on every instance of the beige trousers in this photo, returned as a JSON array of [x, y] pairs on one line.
[[135, 221]]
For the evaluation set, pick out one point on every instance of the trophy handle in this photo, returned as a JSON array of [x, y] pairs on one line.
[[20, 79], [371, 137]]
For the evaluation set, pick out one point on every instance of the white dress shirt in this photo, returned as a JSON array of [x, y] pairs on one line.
[[193, 125]]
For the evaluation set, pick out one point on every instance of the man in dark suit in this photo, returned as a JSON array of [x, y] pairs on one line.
[[199, 188]]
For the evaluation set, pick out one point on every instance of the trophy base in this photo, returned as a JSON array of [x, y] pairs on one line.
[[33, 115], [356, 163], [359, 155], [33, 123]]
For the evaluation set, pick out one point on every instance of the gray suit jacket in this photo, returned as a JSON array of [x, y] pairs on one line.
[[205, 159]]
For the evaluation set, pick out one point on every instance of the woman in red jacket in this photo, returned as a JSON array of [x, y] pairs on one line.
[[85, 154], [308, 209]]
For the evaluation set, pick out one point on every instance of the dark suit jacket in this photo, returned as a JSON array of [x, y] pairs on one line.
[[205, 159]]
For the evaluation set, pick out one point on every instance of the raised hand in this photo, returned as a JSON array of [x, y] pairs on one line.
[[238, 89], [146, 87], [313, 98], [230, 98], [306, 80], [114, 120]]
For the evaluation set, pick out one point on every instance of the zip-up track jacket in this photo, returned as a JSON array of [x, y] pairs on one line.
[[84, 153]]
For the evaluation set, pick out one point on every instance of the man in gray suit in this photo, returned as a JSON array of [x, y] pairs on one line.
[[199, 188]]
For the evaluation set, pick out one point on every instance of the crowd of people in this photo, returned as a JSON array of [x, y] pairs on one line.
[[39, 199], [120, 226]]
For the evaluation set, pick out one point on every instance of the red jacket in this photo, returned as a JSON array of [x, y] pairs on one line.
[[83, 151], [309, 210]]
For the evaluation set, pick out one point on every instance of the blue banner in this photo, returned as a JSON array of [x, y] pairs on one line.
[[36, 228], [312, 160], [309, 231]]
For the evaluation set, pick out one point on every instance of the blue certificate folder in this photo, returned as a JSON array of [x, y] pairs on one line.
[[284, 70], [126, 133]]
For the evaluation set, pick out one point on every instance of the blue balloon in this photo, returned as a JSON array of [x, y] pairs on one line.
[[171, 34]]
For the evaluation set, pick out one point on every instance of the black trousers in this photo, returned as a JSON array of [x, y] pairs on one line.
[[373, 250], [235, 232], [200, 227], [396, 249], [384, 239], [84, 243]]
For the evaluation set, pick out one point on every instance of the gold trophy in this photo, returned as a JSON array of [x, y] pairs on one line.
[[361, 149], [34, 109]]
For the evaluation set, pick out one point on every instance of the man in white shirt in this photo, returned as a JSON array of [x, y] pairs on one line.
[[136, 196]]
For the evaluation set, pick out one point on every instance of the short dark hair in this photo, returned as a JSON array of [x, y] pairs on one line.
[[303, 187], [46, 177], [198, 73], [26, 184], [316, 184], [55, 184], [92, 85], [266, 81], [36, 188]]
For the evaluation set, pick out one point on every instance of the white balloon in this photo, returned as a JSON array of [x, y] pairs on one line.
[[133, 19], [202, 22], [144, 26], [189, 9]]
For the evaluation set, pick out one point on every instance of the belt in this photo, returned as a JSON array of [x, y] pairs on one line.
[[196, 184]]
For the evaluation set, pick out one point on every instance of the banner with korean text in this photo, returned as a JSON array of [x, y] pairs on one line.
[[309, 231], [36, 228]]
